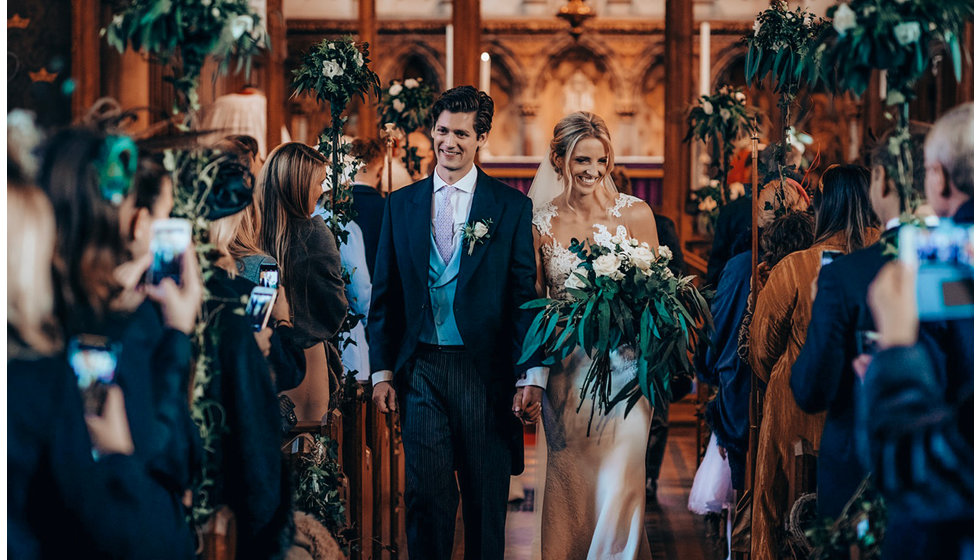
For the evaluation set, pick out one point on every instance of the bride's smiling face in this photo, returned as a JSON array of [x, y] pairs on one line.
[[587, 164]]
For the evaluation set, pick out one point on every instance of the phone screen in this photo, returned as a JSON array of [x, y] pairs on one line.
[[827, 257], [168, 244], [944, 278], [259, 307], [94, 362], [269, 275]]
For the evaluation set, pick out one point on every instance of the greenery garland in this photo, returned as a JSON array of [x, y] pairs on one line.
[[184, 33], [719, 120], [406, 105], [893, 36], [319, 489]]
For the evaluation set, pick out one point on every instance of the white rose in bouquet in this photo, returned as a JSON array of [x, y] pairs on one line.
[[908, 32], [395, 89], [574, 282], [844, 19], [607, 265], [756, 27], [331, 68], [642, 258], [411, 83], [740, 97], [398, 105], [707, 107], [241, 25], [358, 59], [664, 252]]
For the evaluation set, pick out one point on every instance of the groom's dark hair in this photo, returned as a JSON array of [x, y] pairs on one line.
[[465, 99]]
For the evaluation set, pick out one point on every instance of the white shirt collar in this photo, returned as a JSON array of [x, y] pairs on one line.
[[892, 223], [466, 184]]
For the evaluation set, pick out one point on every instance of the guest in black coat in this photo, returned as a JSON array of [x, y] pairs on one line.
[[369, 205]]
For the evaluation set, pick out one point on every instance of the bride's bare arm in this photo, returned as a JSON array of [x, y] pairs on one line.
[[641, 223], [539, 285]]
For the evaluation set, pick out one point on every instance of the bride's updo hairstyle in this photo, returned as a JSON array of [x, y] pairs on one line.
[[568, 132]]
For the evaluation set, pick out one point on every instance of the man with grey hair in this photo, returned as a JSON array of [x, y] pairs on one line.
[[949, 165]]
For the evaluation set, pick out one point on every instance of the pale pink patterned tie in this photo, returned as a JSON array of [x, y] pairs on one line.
[[444, 224]]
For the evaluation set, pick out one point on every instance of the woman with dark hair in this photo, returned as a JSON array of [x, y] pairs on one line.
[[309, 266], [88, 176], [845, 222]]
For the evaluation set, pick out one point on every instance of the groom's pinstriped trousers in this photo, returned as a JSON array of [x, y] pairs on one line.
[[447, 425]]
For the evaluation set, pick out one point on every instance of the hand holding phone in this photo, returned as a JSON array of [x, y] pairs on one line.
[[170, 240], [93, 359], [259, 307], [180, 305]]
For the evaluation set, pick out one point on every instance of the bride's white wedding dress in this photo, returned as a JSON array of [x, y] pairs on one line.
[[595, 487]]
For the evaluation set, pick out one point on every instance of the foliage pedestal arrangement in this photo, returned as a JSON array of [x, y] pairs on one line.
[[405, 104]]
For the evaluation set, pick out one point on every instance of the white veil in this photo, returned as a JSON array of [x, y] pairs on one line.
[[547, 185]]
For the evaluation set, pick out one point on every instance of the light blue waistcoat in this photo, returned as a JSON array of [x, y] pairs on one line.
[[439, 325]]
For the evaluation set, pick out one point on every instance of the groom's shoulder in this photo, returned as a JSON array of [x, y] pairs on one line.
[[409, 191], [505, 192]]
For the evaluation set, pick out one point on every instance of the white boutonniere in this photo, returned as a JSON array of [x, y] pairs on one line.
[[476, 232]]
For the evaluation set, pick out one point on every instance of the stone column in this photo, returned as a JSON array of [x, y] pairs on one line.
[[529, 123], [678, 90], [274, 75], [626, 136], [367, 118]]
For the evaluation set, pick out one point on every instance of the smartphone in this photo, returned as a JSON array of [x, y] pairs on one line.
[[827, 257], [169, 241], [94, 360], [867, 342], [259, 307], [269, 275], [944, 257]]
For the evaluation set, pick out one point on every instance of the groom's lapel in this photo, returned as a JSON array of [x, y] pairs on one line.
[[485, 206], [420, 229]]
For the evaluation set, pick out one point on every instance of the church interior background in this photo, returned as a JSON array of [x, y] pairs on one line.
[[536, 67]]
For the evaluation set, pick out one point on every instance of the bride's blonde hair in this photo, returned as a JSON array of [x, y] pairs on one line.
[[567, 134]]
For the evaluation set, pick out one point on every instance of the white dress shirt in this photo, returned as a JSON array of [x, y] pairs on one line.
[[461, 201]]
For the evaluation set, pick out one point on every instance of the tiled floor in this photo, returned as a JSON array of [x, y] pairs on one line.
[[674, 532]]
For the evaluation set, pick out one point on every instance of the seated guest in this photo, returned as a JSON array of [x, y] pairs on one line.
[[845, 222], [309, 267], [822, 377], [369, 205]]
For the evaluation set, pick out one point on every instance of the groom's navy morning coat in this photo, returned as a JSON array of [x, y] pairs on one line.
[[493, 282]]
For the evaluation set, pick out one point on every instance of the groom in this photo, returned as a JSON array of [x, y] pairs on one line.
[[446, 331]]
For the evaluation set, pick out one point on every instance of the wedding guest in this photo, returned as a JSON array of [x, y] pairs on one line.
[[845, 222], [422, 144], [369, 205], [666, 229], [728, 413], [309, 267], [822, 377], [88, 177], [251, 478]]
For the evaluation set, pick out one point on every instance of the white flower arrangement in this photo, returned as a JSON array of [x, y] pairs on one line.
[[845, 19], [476, 233]]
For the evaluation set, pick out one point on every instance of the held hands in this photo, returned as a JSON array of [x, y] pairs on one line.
[[384, 397], [527, 403]]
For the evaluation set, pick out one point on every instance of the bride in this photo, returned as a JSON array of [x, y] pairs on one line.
[[594, 495]]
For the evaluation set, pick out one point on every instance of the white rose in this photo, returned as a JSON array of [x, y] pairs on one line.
[[358, 59], [330, 45], [480, 229], [737, 190], [844, 19], [664, 252], [411, 83], [398, 105], [395, 89], [707, 107], [215, 12], [574, 282], [756, 27], [331, 69], [606, 265], [642, 258], [740, 97], [908, 32], [240, 25], [725, 114], [616, 240], [714, 183]]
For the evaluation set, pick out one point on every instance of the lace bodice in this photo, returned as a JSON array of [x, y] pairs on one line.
[[557, 260]]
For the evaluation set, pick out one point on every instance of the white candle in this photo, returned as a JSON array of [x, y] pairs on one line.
[[449, 56], [705, 58], [485, 73]]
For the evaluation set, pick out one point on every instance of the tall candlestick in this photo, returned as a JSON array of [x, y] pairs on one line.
[[705, 58], [449, 56], [485, 73]]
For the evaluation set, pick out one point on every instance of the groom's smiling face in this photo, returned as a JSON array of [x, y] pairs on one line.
[[456, 141]]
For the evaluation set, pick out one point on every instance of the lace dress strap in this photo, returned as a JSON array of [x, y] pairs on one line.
[[542, 218], [622, 201]]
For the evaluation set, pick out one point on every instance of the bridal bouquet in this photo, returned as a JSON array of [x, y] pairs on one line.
[[622, 293]]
